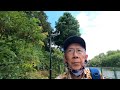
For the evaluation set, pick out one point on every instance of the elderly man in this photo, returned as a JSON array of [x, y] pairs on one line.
[[75, 59]]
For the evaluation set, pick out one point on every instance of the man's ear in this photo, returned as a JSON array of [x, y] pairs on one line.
[[65, 60], [86, 57]]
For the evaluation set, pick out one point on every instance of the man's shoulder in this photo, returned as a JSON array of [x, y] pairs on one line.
[[87, 72], [94, 71]]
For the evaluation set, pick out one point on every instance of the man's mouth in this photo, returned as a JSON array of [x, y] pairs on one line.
[[76, 63]]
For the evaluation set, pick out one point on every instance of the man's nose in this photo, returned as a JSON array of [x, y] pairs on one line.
[[75, 54]]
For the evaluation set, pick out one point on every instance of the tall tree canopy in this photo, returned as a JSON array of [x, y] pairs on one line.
[[46, 27], [67, 25]]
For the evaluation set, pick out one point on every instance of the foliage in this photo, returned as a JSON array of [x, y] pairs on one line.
[[111, 59], [21, 43], [67, 25], [46, 28], [57, 62]]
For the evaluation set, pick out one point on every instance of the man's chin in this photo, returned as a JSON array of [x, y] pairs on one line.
[[77, 68]]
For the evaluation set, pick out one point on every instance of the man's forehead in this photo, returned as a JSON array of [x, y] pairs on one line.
[[75, 45]]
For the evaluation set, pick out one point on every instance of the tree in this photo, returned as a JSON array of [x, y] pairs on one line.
[[110, 59], [21, 44], [57, 62], [43, 23], [67, 25]]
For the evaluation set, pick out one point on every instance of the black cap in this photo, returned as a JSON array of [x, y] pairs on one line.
[[74, 39]]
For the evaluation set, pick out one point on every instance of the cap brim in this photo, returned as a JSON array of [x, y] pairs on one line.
[[74, 39]]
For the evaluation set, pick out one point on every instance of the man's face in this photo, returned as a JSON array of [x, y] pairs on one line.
[[75, 56]]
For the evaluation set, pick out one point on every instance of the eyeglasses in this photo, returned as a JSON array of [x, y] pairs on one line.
[[71, 51]]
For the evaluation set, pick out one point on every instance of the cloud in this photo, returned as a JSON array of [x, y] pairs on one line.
[[101, 31]]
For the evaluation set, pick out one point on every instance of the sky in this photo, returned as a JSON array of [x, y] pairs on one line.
[[100, 29], [54, 15]]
